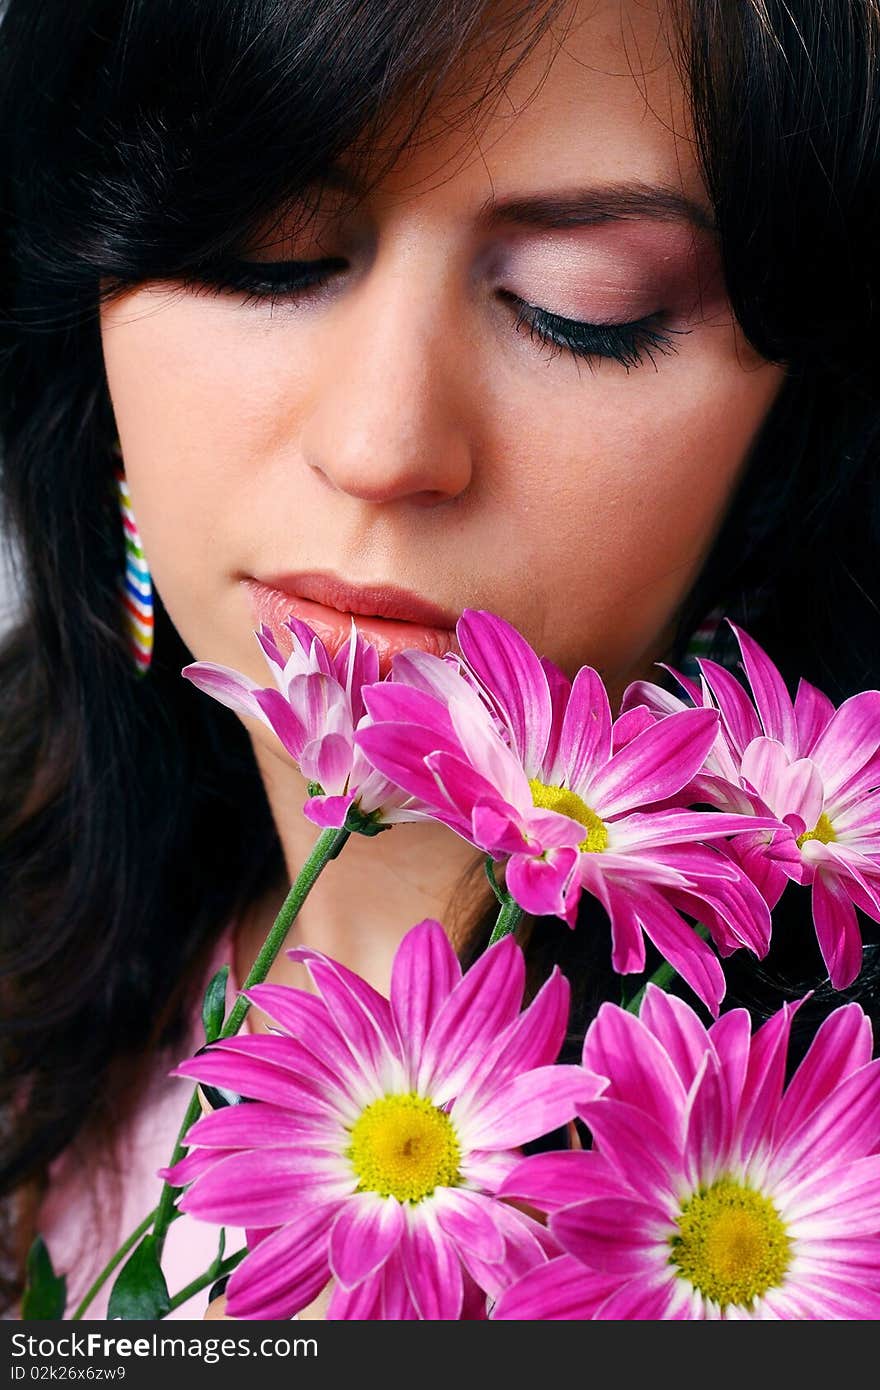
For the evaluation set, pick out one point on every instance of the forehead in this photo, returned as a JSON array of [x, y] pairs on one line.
[[598, 101]]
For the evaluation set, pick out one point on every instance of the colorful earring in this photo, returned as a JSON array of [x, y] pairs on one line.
[[700, 644], [135, 586]]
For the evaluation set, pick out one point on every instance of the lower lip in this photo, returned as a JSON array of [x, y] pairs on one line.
[[388, 635]]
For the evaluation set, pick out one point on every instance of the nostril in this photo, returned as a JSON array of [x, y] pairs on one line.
[[381, 439]]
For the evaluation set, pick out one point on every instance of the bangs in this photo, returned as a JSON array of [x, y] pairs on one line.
[[151, 139], [203, 120]]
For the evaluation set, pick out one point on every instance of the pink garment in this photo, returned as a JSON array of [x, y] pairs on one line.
[[68, 1214]]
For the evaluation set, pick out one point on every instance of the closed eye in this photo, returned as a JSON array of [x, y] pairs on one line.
[[280, 282], [273, 282], [626, 343]]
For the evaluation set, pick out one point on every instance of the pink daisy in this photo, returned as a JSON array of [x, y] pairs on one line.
[[814, 768], [379, 1132], [314, 708], [534, 770], [713, 1190]]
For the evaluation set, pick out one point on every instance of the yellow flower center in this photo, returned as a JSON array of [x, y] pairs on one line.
[[731, 1244], [823, 831], [404, 1147], [568, 803]]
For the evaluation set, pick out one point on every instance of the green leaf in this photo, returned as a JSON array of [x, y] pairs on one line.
[[45, 1292], [214, 1004], [140, 1290]]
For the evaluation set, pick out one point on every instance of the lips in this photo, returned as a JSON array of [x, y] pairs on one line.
[[390, 618]]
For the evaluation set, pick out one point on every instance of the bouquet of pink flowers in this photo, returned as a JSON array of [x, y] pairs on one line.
[[379, 1145]]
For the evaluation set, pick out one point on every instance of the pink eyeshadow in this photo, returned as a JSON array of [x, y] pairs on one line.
[[614, 271]]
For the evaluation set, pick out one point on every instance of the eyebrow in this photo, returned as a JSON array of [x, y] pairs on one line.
[[592, 206], [575, 207]]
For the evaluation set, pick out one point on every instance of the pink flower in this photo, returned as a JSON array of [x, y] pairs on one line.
[[712, 1190], [380, 1131], [536, 772], [314, 708], [814, 768]]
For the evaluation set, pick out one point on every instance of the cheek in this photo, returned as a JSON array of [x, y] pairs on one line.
[[619, 493], [188, 389], [191, 409]]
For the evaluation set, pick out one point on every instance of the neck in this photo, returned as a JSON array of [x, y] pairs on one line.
[[366, 899]]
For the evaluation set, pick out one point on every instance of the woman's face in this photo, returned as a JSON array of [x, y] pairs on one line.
[[403, 434]]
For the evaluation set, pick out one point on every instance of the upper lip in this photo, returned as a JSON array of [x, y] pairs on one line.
[[363, 600]]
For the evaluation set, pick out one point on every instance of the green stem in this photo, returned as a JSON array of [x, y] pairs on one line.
[[210, 1276], [489, 866], [166, 1208], [111, 1265], [662, 976], [327, 846], [508, 919]]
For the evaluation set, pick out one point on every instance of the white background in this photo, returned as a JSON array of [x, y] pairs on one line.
[[7, 586]]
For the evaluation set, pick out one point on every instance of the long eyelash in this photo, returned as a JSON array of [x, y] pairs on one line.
[[276, 282], [266, 282], [626, 343]]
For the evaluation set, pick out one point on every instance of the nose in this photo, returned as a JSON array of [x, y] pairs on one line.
[[387, 419]]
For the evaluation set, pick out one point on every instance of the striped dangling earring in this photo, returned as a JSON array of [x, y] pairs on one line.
[[700, 643], [135, 586]]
